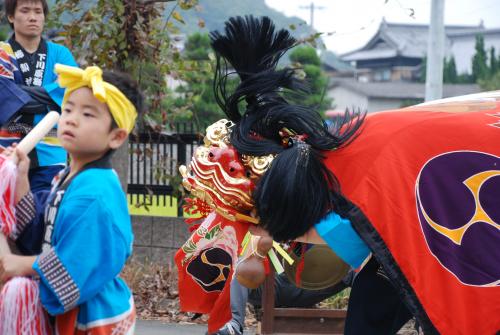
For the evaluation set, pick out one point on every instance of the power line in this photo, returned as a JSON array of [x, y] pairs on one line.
[[489, 5], [312, 7]]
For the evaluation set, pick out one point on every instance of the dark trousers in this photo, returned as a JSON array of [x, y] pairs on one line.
[[374, 305]]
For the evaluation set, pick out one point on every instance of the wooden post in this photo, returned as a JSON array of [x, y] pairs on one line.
[[267, 322], [280, 321], [181, 159]]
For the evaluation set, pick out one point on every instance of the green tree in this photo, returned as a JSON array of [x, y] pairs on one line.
[[490, 84], [492, 81], [129, 36], [450, 75], [450, 71], [410, 102], [422, 75], [465, 78], [197, 47], [3, 33], [480, 68], [494, 65], [305, 57], [498, 62], [197, 90], [4, 27]]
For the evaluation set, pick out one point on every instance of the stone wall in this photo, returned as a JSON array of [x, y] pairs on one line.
[[156, 239]]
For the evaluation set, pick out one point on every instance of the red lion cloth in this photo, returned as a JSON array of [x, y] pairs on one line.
[[206, 264], [425, 184]]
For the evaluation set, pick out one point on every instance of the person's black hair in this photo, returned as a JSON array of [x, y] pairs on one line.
[[11, 5], [297, 190], [128, 86]]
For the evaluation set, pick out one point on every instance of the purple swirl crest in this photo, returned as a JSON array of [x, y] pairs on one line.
[[458, 206]]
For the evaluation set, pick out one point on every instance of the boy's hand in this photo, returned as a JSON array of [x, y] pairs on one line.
[[14, 265], [23, 166], [23, 162], [22, 181]]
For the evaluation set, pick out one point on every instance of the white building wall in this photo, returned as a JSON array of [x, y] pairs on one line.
[[344, 98], [463, 48]]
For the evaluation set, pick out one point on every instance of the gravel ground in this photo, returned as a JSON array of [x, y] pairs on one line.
[[156, 298]]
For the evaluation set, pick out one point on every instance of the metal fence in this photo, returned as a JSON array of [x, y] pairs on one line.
[[154, 160]]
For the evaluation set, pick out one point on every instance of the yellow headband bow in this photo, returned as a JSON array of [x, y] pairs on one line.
[[72, 78]]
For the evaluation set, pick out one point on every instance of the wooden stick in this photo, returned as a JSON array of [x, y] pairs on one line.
[[38, 132]]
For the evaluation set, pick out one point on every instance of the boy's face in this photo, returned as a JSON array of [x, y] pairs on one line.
[[28, 18], [84, 128]]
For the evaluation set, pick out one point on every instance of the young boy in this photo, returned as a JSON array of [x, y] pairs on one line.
[[87, 230]]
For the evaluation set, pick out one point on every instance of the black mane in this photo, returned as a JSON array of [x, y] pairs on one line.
[[297, 190]]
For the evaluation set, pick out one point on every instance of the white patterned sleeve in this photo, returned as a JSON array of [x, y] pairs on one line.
[[25, 213]]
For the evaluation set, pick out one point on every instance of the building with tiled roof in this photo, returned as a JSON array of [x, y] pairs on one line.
[[396, 51]]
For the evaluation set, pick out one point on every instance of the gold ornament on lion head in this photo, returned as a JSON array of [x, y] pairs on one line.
[[220, 176]]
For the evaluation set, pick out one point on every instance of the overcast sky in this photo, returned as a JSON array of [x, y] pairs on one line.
[[352, 23]]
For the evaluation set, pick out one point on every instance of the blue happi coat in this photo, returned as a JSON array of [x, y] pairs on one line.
[[86, 239]]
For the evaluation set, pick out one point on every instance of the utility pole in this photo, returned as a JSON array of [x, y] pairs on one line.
[[435, 53], [312, 7]]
